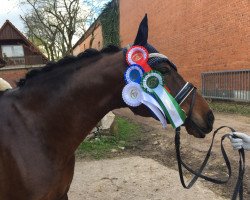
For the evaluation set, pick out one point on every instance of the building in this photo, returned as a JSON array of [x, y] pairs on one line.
[[17, 54], [198, 36], [104, 31], [91, 39]]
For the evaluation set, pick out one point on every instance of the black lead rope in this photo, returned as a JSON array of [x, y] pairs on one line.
[[198, 174], [239, 184]]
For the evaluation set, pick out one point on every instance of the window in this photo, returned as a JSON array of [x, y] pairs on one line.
[[12, 51]]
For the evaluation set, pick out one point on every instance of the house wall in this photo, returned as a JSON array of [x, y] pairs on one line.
[[12, 75], [17, 67], [198, 36], [97, 42]]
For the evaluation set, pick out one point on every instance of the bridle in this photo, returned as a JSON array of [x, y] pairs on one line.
[[188, 89], [185, 92]]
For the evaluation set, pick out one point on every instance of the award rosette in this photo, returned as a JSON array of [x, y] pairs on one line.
[[146, 86], [134, 74], [138, 55], [152, 83], [132, 94]]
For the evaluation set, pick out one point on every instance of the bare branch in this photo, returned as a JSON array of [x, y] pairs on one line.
[[55, 23]]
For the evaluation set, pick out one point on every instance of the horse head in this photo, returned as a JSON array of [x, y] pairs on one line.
[[200, 118]]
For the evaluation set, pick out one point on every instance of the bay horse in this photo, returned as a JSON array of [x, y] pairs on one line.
[[44, 119]]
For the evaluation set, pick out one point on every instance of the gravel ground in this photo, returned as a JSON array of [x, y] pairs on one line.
[[131, 178], [140, 178]]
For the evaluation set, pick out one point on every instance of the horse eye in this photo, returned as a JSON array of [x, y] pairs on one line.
[[164, 70]]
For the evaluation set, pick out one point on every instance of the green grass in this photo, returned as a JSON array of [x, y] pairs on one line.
[[231, 107], [124, 133]]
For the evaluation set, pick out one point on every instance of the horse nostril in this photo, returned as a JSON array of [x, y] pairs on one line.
[[210, 119]]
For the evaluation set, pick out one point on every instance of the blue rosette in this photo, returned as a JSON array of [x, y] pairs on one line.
[[134, 74]]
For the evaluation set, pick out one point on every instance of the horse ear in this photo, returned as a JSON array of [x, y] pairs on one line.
[[142, 35]]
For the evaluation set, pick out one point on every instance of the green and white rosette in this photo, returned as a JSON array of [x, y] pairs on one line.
[[152, 82]]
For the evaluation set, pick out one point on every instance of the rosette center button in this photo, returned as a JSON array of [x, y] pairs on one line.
[[152, 82], [134, 94]]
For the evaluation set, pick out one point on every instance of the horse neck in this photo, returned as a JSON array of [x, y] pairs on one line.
[[68, 114]]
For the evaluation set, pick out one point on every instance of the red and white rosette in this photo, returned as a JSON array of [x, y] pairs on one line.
[[138, 55]]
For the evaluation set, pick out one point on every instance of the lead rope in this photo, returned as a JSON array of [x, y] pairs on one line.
[[198, 174]]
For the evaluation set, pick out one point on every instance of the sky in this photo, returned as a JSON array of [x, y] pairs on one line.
[[11, 10]]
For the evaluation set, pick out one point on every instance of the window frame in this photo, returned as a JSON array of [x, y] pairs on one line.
[[14, 52]]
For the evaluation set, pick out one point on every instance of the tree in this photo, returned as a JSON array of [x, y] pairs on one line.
[[52, 25]]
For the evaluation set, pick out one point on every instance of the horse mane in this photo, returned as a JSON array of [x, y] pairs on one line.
[[88, 53]]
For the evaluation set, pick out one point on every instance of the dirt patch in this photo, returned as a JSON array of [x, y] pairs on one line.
[[158, 144]]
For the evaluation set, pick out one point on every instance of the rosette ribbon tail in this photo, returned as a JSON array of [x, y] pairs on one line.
[[153, 105], [170, 107], [134, 96]]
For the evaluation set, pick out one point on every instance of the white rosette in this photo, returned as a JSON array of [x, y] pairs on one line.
[[132, 94]]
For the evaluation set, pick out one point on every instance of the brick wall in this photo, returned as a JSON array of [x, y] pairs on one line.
[[13, 75], [198, 36], [97, 42]]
